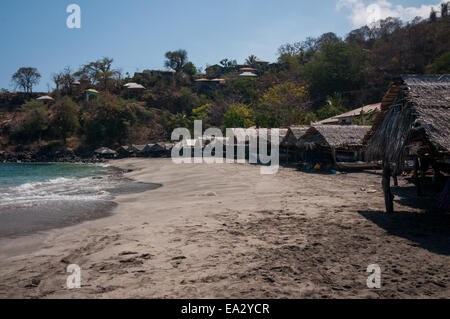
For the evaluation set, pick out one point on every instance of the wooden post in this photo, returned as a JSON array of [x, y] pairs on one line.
[[333, 154], [437, 177], [287, 154], [386, 183], [395, 175], [416, 176]]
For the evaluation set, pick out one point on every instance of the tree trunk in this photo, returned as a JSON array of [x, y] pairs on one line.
[[386, 183]]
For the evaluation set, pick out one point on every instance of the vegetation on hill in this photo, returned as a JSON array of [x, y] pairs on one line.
[[312, 80]]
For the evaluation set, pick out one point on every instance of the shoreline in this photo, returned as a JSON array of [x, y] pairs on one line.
[[225, 231], [18, 220]]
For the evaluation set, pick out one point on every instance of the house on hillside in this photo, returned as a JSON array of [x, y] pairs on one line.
[[414, 123], [362, 115], [248, 75], [157, 73], [261, 63]]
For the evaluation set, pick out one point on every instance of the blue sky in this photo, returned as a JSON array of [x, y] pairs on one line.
[[137, 33]]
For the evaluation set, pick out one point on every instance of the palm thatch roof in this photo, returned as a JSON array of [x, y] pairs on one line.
[[148, 148], [134, 86], [335, 136], [269, 134], [136, 148], [105, 151], [416, 109], [45, 98], [294, 134]]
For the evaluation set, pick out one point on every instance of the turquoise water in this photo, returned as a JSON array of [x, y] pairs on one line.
[[31, 184], [12, 174]]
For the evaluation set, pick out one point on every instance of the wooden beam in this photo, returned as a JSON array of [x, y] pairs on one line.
[[386, 183]]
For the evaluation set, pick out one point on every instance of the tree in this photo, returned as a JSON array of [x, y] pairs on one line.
[[227, 64], [441, 65], [190, 69], [251, 60], [444, 9], [334, 106], [110, 120], [32, 105], [337, 68], [306, 118], [99, 72], [64, 81], [282, 105], [176, 60], [26, 78], [65, 122], [33, 126], [238, 115], [433, 15]]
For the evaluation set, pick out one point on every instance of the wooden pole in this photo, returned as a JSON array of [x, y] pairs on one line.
[[333, 154], [287, 154], [416, 176], [395, 175], [386, 183]]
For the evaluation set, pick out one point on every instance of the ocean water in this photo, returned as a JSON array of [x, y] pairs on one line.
[[40, 197], [34, 183]]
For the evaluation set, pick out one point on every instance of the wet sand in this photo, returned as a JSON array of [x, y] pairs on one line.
[[225, 231], [32, 217]]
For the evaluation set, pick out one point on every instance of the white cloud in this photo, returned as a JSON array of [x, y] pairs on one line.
[[363, 14]]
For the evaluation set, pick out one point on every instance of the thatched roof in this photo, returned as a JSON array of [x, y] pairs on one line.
[[294, 133], [45, 98], [105, 151], [148, 148], [336, 136], [134, 86], [416, 108], [136, 148]]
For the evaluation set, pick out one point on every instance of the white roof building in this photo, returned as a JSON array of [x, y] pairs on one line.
[[248, 74]]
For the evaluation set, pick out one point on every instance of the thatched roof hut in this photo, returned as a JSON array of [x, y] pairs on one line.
[[148, 148], [123, 151], [105, 152], [136, 148], [293, 135], [134, 86], [334, 136], [154, 148], [282, 134], [332, 145], [414, 120], [45, 98]]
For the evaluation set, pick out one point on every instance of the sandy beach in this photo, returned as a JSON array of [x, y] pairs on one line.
[[225, 231]]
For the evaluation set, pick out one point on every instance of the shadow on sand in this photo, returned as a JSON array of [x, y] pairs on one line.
[[427, 230]]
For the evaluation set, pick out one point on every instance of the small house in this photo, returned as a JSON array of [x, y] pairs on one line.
[[331, 145], [413, 124]]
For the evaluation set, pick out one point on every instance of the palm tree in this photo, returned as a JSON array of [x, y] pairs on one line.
[[251, 60]]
